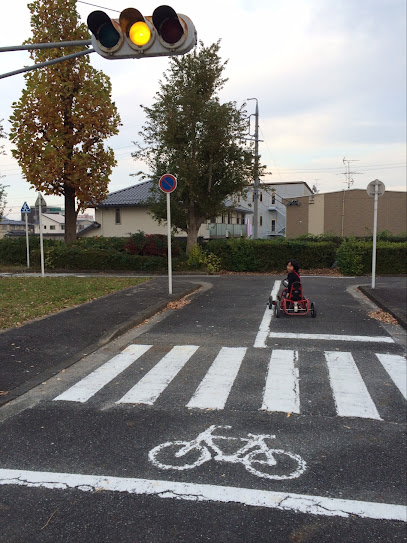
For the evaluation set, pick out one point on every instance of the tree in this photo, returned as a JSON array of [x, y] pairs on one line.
[[2, 187], [63, 116], [190, 134]]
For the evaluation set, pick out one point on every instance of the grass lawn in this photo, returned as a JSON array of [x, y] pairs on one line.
[[26, 298]]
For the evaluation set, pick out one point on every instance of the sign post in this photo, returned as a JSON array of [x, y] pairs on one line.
[[375, 189], [26, 209], [168, 183], [41, 238]]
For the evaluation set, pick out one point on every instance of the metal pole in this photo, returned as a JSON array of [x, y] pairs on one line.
[[27, 242], [169, 244], [47, 63], [41, 238], [256, 173], [52, 45], [376, 198]]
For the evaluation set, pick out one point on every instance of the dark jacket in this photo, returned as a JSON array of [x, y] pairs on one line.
[[292, 278]]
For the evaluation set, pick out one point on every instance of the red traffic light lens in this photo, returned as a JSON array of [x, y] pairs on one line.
[[167, 24], [171, 30]]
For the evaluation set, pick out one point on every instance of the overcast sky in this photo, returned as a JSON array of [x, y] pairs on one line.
[[329, 76]]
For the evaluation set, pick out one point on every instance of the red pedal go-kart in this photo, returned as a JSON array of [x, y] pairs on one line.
[[293, 302]]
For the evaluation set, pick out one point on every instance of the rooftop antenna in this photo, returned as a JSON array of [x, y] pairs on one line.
[[348, 173]]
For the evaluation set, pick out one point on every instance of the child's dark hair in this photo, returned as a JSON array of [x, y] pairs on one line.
[[294, 264]]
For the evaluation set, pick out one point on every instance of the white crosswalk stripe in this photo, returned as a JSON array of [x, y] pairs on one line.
[[283, 387], [281, 392], [87, 387], [214, 389], [395, 365], [152, 385], [350, 393]]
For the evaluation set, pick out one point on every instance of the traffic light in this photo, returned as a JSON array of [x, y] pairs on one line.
[[132, 35]]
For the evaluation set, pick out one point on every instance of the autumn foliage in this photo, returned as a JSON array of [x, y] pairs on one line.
[[64, 115]]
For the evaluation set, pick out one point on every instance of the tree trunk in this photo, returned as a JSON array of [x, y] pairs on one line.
[[70, 214], [194, 224]]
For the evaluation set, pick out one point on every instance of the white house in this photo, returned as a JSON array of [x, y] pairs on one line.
[[273, 201], [52, 223], [126, 211]]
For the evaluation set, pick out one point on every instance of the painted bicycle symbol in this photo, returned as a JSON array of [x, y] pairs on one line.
[[255, 455]]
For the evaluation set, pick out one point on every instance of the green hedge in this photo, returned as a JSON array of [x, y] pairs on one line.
[[267, 256], [354, 257], [13, 251]]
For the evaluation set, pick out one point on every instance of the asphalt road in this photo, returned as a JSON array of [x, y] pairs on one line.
[[309, 416]]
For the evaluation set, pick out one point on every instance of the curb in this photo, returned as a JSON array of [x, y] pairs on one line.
[[367, 292], [118, 331]]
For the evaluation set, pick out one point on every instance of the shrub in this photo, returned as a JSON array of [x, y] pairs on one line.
[[271, 255], [150, 245], [350, 256], [355, 257], [198, 258], [234, 254]]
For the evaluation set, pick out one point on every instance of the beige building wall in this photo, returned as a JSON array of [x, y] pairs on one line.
[[132, 219], [316, 214], [297, 218], [347, 213]]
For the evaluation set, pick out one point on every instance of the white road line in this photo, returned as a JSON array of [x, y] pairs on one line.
[[351, 396], [281, 392], [282, 501], [332, 337], [214, 389], [148, 389], [92, 383], [261, 338], [396, 367]]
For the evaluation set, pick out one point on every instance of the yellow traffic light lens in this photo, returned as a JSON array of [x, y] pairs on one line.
[[140, 33]]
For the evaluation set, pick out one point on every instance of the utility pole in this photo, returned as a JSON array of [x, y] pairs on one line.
[[348, 173], [256, 173]]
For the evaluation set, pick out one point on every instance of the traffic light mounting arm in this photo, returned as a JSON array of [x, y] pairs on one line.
[[46, 46]]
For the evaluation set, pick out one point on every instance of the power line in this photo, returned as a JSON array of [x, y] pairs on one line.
[[96, 6]]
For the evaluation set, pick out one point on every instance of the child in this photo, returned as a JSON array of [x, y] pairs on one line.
[[293, 275]]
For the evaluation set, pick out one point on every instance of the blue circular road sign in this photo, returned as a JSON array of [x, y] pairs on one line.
[[168, 183]]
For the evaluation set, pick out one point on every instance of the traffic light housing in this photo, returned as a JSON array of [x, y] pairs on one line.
[[132, 35]]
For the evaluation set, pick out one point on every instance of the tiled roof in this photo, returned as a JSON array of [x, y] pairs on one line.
[[11, 222], [60, 219], [135, 195]]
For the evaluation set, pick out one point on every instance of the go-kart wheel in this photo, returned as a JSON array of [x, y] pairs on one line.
[[313, 310], [277, 309], [270, 302]]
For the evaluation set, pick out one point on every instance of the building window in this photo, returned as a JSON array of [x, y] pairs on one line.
[[261, 196], [229, 218], [62, 227], [273, 225], [117, 216], [52, 227], [261, 220], [273, 199], [45, 226]]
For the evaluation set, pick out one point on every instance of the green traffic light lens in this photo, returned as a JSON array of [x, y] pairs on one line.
[[108, 36]]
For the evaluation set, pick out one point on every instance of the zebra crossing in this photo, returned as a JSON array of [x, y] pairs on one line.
[[282, 385]]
